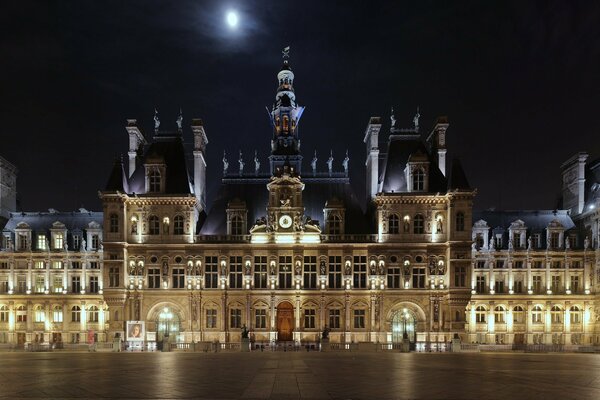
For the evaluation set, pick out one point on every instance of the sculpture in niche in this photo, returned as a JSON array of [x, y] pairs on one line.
[[165, 268], [322, 267], [225, 163]]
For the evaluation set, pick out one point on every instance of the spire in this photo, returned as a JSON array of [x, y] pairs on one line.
[[156, 120], [285, 117]]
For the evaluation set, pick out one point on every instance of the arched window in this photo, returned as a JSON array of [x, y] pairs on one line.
[[419, 224], [237, 225], [480, 314], [334, 224], [178, 225], [418, 179], [21, 314], [518, 315], [3, 313], [93, 314], [153, 225], [154, 180], [536, 315], [499, 315], [75, 314], [556, 315], [575, 315], [39, 314], [113, 223], [393, 224], [460, 221], [57, 314]]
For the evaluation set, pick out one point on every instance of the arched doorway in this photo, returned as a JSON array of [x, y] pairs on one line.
[[285, 321], [404, 324], [167, 325]]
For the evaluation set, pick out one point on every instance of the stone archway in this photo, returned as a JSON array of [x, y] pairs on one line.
[[285, 321], [404, 324], [166, 320]]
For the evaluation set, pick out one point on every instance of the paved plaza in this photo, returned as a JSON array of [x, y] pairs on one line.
[[299, 375]]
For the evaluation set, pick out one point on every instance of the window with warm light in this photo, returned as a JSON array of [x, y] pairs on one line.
[[92, 314], [39, 315], [536, 315], [57, 314], [59, 241], [41, 242], [499, 315], [518, 315], [556, 315], [3, 313], [575, 315], [21, 314], [480, 312]]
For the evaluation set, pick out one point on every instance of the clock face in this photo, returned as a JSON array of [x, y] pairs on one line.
[[285, 221]]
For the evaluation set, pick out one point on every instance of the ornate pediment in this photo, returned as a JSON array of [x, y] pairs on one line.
[[480, 224]]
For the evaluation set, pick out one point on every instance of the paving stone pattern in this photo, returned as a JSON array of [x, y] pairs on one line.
[[302, 375]]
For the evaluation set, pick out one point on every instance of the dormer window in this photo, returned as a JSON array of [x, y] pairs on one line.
[[95, 242], [334, 225], [23, 243], [41, 242], [237, 225], [59, 241], [554, 240], [418, 180], [154, 180]]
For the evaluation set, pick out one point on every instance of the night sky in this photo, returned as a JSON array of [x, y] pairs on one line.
[[519, 81]]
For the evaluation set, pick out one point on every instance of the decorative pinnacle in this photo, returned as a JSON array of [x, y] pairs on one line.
[[286, 53]]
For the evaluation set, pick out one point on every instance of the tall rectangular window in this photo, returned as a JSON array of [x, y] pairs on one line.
[[555, 284], [21, 284], [93, 284], [23, 243], [260, 272], [178, 278], [41, 242], [76, 242], [334, 318], [460, 221], [575, 283], [335, 272], [211, 318], [40, 284], [95, 242], [3, 284], [153, 278], [113, 277], [39, 265], [537, 284], [418, 277], [75, 284], [554, 236], [460, 276], [211, 272], [359, 319], [235, 320], [310, 272], [518, 286], [58, 241], [235, 272], [480, 288], [360, 272], [57, 284], [309, 318], [394, 277], [260, 318], [285, 272]]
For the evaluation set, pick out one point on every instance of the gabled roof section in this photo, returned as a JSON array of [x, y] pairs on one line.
[[166, 149], [458, 178], [402, 149]]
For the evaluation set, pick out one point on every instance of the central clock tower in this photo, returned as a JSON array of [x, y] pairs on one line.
[[285, 212]]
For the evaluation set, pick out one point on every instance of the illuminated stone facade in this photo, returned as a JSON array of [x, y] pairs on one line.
[[289, 251]]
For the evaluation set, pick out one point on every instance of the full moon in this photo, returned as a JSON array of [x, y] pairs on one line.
[[232, 19]]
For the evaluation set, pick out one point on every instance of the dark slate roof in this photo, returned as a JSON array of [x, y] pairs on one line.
[[117, 181], [254, 192], [168, 148], [535, 220], [592, 184], [400, 149], [458, 178]]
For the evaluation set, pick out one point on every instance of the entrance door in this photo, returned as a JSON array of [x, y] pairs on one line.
[[404, 323], [20, 338], [285, 321], [167, 325]]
